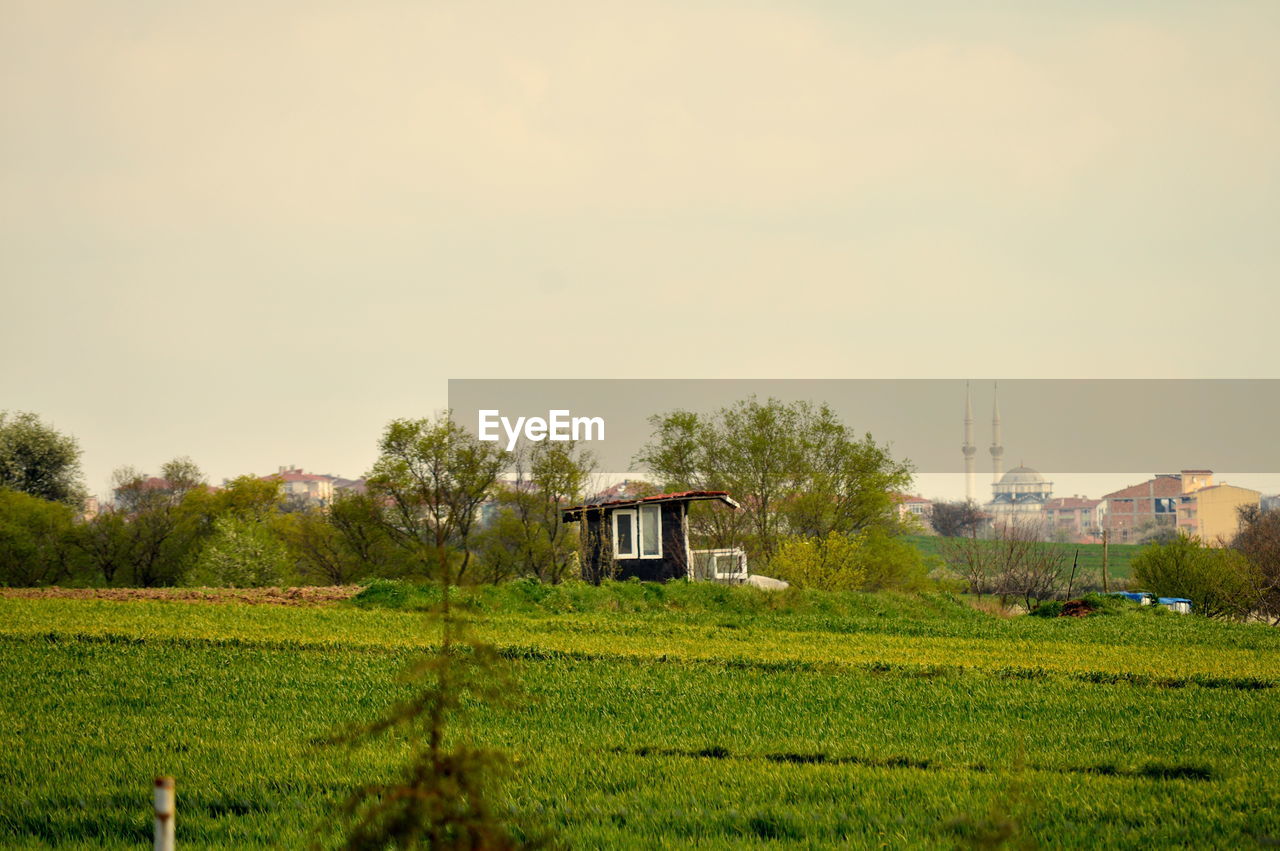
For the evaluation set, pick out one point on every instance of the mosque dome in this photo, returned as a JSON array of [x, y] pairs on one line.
[[1021, 475]]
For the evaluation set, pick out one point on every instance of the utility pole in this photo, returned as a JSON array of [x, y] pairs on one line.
[[1105, 587], [1072, 581]]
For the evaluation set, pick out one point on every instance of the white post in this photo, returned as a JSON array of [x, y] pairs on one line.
[[165, 812]]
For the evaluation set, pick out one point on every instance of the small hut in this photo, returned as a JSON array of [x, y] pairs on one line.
[[647, 538]]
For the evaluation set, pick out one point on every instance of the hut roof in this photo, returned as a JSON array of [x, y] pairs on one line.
[[576, 512]]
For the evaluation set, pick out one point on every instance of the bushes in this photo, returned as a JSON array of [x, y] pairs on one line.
[[872, 560], [833, 563]]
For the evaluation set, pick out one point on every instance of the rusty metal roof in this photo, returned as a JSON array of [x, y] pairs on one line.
[[576, 511]]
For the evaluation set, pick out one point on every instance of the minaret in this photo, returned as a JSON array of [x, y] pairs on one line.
[[997, 443], [968, 449]]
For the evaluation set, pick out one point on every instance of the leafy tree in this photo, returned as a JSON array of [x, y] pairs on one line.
[[795, 468], [433, 477], [107, 545], [165, 518], [35, 540], [246, 497], [441, 796], [39, 461], [956, 519], [1216, 581], [344, 544], [242, 552], [892, 564], [527, 536]]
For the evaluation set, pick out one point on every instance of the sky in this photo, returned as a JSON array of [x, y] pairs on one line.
[[252, 233]]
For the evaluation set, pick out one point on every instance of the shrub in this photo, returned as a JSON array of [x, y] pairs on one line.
[[1216, 581], [891, 563], [833, 563], [872, 560], [1051, 609]]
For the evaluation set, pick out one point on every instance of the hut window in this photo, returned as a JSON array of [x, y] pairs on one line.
[[650, 531], [624, 533]]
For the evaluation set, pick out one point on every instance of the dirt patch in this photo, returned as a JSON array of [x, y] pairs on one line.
[[303, 596], [1076, 609]]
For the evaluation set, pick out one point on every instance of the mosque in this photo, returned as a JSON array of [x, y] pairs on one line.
[[1018, 496]]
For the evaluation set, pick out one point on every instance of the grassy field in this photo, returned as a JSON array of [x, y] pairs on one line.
[[1089, 569], [670, 716]]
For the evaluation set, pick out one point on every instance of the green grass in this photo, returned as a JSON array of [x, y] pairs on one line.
[[670, 716], [1119, 557]]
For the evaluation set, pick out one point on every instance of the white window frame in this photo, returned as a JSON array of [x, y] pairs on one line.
[[635, 533], [655, 512]]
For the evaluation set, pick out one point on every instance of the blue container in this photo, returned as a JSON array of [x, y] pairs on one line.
[[1181, 605]]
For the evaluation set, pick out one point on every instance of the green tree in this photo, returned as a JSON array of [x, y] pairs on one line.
[[1216, 581], [165, 518], [527, 536], [35, 540], [107, 544], [37, 460], [346, 543], [433, 477], [795, 468], [870, 560], [434, 473], [242, 552]]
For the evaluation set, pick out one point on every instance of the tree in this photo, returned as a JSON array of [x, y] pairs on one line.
[[35, 540], [37, 460], [433, 473], [433, 476], [969, 558], [1216, 581], [346, 543], [956, 519], [106, 543], [242, 552], [165, 517], [1259, 541], [795, 468], [1014, 562], [526, 536], [1026, 565]]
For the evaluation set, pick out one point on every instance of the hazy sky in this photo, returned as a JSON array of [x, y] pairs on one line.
[[254, 232]]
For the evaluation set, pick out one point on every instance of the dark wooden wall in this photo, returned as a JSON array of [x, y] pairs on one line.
[[600, 563]]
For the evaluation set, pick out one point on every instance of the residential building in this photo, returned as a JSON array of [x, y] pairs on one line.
[[1073, 518], [916, 507], [311, 487], [1212, 512], [1130, 512]]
